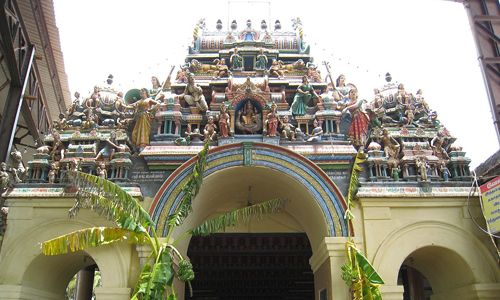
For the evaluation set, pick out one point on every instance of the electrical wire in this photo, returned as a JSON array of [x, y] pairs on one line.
[[474, 183]]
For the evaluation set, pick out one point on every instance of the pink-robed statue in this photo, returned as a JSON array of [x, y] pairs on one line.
[[358, 132], [223, 121], [272, 121]]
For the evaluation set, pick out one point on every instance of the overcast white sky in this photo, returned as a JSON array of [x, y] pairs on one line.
[[425, 44]]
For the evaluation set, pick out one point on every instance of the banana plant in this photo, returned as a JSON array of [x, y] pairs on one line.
[[361, 277], [155, 281]]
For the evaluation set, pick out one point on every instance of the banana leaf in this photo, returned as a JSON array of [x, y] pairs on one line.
[[89, 237], [368, 270], [236, 217], [109, 199], [190, 189]]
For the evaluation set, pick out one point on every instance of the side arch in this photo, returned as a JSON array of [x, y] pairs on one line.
[[449, 256], [302, 172], [53, 273]]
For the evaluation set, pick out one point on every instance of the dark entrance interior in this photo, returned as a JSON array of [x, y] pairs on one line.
[[260, 266]]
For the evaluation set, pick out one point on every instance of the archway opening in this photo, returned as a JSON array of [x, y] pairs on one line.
[[252, 266], [416, 286], [433, 270], [51, 275], [83, 284]]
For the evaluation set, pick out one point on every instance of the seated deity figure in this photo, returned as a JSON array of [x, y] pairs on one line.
[[248, 119], [248, 115], [437, 146], [222, 69], [193, 94]]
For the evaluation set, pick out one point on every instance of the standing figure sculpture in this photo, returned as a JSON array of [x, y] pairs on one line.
[[143, 119], [235, 60], [272, 121], [305, 92], [391, 146], [359, 122], [210, 129], [193, 94], [157, 90], [223, 121], [401, 95], [395, 171], [341, 90], [422, 166], [261, 63], [288, 129], [4, 177]]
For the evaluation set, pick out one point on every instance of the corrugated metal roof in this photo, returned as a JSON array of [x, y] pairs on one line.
[[44, 34]]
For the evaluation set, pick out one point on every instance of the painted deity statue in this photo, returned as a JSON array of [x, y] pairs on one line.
[[193, 94], [305, 92], [261, 63], [248, 119], [341, 90], [221, 69], [358, 131], [224, 124], [272, 121], [437, 144], [210, 128], [143, 119], [236, 60], [391, 146], [316, 133], [275, 70], [288, 131]]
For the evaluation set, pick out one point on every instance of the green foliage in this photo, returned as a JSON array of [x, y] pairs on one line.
[[362, 279], [234, 218], [89, 237], [155, 281], [109, 199], [190, 189]]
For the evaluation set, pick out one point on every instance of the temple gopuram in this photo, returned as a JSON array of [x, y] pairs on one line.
[[383, 174]]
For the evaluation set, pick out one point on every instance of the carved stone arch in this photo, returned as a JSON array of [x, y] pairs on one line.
[[440, 251], [49, 275], [316, 205]]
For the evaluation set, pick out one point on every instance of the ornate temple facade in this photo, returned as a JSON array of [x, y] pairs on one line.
[[278, 128]]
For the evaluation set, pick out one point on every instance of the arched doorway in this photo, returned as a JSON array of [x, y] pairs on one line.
[[62, 269], [242, 174]]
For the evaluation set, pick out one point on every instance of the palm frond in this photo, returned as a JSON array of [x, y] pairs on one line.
[[244, 215], [190, 189], [89, 237], [109, 199]]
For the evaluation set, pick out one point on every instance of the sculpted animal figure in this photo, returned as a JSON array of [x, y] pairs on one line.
[[296, 66], [196, 67], [18, 169]]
